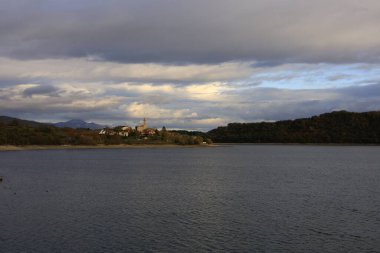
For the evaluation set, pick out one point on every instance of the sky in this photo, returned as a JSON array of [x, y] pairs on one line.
[[183, 64]]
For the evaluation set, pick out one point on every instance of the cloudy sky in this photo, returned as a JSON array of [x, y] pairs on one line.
[[187, 64]]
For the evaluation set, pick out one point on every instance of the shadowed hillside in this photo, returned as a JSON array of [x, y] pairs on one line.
[[335, 127], [5, 120]]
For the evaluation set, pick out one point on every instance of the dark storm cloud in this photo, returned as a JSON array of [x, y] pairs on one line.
[[6, 82], [41, 90], [338, 77], [269, 31], [366, 92]]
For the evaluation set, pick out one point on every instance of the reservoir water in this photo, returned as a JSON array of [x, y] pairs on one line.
[[240, 198]]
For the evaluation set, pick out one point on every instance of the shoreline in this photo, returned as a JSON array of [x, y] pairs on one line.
[[74, 147], [141, 146], [295, 144]]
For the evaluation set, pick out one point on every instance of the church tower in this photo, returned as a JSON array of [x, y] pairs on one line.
[[142, 127]]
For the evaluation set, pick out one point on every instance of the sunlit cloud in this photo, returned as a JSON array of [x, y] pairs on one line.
[[139, 110]]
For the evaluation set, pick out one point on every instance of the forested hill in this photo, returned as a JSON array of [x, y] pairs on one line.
[[5, 120], [335, 127]]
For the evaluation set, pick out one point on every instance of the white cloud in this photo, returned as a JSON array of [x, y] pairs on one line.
[[139, 110], [81, 69], [202, 92], [207, 92], [145, 88]]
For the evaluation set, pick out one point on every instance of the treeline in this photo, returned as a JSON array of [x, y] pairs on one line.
[[17, 132], [191, 133], [183, 137], [335, 127], [20, 132]]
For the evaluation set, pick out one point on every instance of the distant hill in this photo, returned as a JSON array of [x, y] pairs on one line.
[[334, 127], [75, 123], [15, 121], [78, 123]]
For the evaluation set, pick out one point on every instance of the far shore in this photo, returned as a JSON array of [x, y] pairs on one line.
[[294, 144], [126, 146], [121, 146]]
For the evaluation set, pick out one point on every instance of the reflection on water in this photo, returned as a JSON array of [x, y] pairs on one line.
[[238, 198]]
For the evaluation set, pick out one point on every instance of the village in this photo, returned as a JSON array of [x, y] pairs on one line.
[[140, 130], [143, 132]]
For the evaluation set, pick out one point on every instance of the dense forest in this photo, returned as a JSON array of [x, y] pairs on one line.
[[21, 132], [335, 127]]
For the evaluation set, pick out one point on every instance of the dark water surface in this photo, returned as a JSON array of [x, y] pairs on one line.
[[237, 199]]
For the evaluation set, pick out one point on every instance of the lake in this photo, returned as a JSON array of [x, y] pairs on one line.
[[238, 198]]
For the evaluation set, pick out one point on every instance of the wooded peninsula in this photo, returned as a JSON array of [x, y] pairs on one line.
[[340, 127], [20, 132]]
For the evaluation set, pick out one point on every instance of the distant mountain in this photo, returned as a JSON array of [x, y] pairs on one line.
[[78, 123], [334, 127], [15, 121]]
